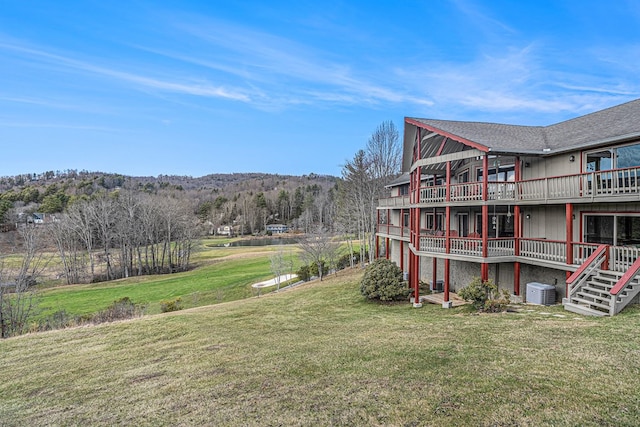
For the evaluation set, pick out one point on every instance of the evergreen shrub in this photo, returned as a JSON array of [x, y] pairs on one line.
[[382, 281]]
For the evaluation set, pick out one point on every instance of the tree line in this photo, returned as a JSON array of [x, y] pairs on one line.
[[125, 234]]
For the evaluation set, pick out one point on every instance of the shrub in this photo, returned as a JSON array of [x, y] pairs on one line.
[[171, 305], [345, 260], [123, 308], [484, 296], [313, 269], [382, 281], [304, 273], [120, 309]]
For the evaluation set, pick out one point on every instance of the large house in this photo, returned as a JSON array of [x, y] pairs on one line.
[[557, 205]]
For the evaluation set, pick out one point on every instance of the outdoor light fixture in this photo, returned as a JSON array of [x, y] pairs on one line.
[[572, 158], [528, 216]]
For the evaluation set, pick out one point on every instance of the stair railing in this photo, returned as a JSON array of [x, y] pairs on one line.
[[624, 281], [587, 269]]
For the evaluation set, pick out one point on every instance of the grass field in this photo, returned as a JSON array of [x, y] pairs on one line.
[[223, 275], [320, 355]]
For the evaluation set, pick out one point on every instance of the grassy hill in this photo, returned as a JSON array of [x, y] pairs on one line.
[[320, 355], [222, 275]]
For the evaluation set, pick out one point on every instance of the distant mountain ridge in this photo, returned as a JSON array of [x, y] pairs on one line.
[[107, 180]]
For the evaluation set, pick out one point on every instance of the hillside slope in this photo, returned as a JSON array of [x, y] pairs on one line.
[[321, 355]]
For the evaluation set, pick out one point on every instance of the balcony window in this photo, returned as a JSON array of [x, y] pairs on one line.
[[429, 223], [612, 229], [504, 173], [500, 225], [626, 156], [599, 161]]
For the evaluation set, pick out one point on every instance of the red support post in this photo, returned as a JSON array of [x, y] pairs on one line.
[[569, 235], [387, 248], [484, 267], [447, 231], [516, 278], [434, 274], [485, 231], [448, 181], [446, 280], [377, 250], [485, 177], [416, 280]]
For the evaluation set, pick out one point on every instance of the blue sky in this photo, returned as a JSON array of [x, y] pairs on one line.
[[291, 87]]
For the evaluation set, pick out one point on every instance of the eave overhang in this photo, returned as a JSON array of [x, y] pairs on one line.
[[449, 135]]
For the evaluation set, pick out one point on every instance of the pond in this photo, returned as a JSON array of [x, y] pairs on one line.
[[270, 241]]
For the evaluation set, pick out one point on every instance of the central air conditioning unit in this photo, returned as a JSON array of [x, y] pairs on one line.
[[540, 293]]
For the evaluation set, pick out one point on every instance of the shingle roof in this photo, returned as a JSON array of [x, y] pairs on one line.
[[615, 123], [402, 179]]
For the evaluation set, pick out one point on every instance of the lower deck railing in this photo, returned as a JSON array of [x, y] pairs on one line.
[[621, 257]]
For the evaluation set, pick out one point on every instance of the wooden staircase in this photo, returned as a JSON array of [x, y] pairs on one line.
[[599, 292]]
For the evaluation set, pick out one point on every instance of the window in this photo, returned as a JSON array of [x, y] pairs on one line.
[[626, 156], [429, 222], [500, 225], [612, 229], [599, 161], [463, 224], [500, 174], [404, 190]]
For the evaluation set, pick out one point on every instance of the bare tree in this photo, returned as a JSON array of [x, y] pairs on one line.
[[80, 224], [385, 152], [355, 198], [18, 288], [318, 247], [278, 265], [70, 249], [103, 214], [364, 179]]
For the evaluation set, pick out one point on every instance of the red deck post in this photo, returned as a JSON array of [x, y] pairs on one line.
[[387, 248], [434, 274], [446, 283], [484, 271], [569, 221]]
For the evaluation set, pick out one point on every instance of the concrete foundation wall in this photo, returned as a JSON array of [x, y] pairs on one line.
[[548, 276], [462, 273]]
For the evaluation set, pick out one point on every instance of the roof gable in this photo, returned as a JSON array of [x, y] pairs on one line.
[[615, 123]]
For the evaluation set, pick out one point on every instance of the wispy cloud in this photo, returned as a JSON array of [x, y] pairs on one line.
[[45, 125], [274, 62], [517, 81], [479, 18], [202, 88]]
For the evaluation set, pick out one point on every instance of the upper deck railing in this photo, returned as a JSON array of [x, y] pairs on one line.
[[586, 186]]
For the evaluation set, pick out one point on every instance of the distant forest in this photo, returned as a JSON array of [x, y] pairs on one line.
[[248, 202]]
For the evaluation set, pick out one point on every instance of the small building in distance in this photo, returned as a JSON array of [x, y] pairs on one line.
[[276, 228], [225, 230]]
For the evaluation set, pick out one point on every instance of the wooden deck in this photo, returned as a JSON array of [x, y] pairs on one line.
[[438, 298]]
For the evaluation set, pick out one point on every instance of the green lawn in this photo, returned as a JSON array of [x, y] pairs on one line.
[[217, 280], [321, 355]]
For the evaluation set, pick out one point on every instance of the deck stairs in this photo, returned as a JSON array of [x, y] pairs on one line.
[[593, 297]]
